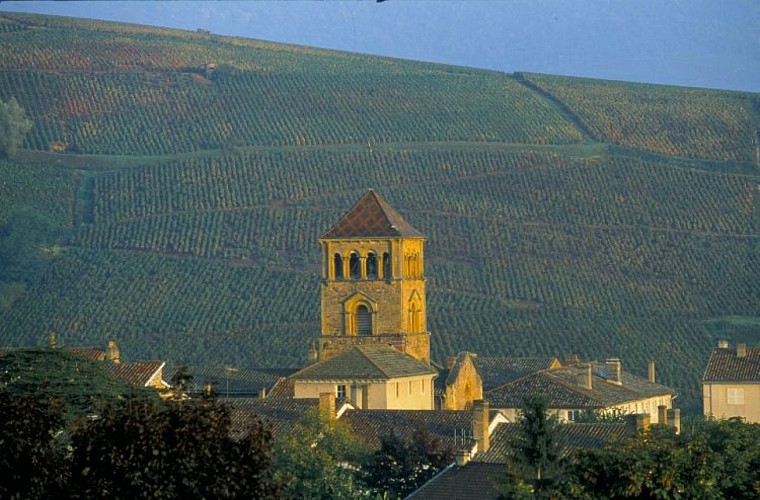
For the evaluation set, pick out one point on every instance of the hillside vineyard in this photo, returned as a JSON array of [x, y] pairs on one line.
[[174, 184]]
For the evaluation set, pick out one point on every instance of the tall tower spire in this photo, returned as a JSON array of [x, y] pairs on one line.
[[373, 281]]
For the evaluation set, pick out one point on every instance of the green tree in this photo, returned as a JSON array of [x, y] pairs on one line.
[[734, 444], [32, 462], [318, 460], [14, 125], [401, 465], [141, 448], [80, 384], [653, 464], [536, 442]]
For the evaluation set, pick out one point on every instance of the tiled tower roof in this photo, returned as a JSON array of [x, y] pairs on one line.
[[372, 216]]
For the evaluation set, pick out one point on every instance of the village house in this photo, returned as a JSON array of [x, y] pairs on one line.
[[731, 382], [576, 388]]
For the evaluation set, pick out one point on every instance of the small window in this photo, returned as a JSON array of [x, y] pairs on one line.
[[736, 396], [410, 387], [354, 266], [396, 389], [387, 265], [363, 321], [340, 391], [422, 386], [372, 266], [573, 415], [338, 265]]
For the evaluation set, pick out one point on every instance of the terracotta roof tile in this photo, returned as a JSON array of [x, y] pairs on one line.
[[725, 366], [372, 216], [280, 414], [454, 427], [570, 437], [92, 353], [560, 387], [498, 371], [237, 382], [139, 373]]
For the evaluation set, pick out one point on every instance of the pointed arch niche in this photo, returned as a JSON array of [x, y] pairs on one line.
[[415, 313]]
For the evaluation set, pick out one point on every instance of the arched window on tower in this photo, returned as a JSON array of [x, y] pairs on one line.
[[354, 266], [363, 320], [338, 265], [387, 265], [372, 266]]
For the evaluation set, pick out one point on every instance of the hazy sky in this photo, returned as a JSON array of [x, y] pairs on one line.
[[701, 43]]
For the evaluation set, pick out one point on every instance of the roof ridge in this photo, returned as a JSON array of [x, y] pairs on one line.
[[514, 380], [385, 374], [575, 387]]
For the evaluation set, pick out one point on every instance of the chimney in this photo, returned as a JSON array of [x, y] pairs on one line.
[[674, 419], [662, 415], [741, 350], [480, 424], [450, 361], [637, 423], [112, 353], [572, 359], [53, 342], [583, 378], [462, 457], [208, 389], [327, 406], [263, 393], [313, 353], [723, 344], [652, 373], [614, 370]]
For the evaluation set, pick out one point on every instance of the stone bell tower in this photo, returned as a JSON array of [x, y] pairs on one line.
[[373, 282]]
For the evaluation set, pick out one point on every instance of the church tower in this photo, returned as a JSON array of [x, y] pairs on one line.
[[373, 282]]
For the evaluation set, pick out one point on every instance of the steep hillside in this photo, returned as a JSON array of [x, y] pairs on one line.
[[175, 206]]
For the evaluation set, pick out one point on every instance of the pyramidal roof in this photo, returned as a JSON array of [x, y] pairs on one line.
[[372, 216]]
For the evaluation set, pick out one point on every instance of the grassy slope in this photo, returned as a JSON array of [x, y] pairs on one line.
[[193, 205]]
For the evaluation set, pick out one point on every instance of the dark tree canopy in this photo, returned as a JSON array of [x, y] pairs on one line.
[[711, 459], [139, 448], [401, 465], [32, 462]]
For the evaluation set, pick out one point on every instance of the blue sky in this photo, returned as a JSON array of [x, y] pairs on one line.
[[699, 43]]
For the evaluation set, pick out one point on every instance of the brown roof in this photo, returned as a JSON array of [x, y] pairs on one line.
[[280, 414], [498, 371], [454, 427], [372, 216], [92, 353], [478, 478], [725, 366], [474, 481], [139, 373], [560, 388], [570, 437], [368, 363], [284, 388], [235, 382]]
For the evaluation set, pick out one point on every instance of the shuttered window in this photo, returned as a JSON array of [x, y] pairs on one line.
[[363, 321]]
